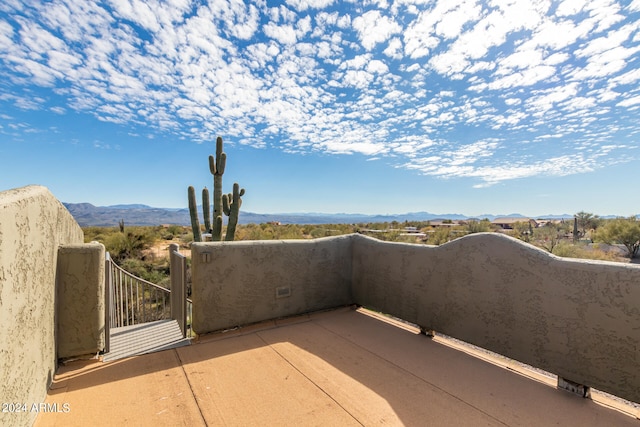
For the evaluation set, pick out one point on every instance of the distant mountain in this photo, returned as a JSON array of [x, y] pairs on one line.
[[88, 215], [134, 206]]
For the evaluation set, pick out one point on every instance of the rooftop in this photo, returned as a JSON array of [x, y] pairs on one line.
[[340, 367], [575, 319]]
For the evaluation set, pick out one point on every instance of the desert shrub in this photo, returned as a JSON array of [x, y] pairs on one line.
[[176, 230], [567, 249], [185, 239], [439, 236], [156, 272], [319, 232], [289, 231]]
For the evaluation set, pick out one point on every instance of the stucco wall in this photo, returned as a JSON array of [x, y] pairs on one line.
[[578, 319], [239, 283], [33, 223], [80, 299]]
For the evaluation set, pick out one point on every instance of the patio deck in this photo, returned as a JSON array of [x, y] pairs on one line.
[[343, 367]]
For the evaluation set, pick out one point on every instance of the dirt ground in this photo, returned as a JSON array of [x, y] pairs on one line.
[[161, 250]]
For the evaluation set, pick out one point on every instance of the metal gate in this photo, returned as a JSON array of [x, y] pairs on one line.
[[131, 300]]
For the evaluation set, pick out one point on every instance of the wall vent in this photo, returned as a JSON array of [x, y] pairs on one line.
[[283, 292]]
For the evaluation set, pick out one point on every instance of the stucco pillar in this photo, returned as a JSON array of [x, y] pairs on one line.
[[80, 300]]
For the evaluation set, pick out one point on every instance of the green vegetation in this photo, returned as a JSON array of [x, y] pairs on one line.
[[193, 212], [142, 250], [624, 231], [474, 226], [547, 237], [231, 207], [587, 221]]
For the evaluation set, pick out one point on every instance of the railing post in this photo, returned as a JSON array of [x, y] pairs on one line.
[[178, 295], [108, 287]]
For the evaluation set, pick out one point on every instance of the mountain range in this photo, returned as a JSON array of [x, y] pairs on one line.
[[88, 215]]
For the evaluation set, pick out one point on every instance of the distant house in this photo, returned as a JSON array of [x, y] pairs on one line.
[[437, 223], [506, 223], [544, 222]]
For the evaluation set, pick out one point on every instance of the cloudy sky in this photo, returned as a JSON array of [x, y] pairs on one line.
[[361, 106]]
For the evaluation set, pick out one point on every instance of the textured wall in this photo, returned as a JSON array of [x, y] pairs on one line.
[[578, 319], [80, 299], [33, 223], [239, 283]]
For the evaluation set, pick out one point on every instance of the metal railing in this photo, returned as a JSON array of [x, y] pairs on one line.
[[131, 300], [135, 300]]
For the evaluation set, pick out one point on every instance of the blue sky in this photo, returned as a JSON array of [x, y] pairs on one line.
[[444, 106]]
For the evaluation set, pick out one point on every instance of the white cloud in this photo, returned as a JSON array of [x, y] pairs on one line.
[[629, 101], [137, 11], [452, 21], [526, 77], [413, 81], [569, 7], [629, 77], [394, 49], [377, 66], [602, 44], [284, 34], [374, 28], [302, 5]]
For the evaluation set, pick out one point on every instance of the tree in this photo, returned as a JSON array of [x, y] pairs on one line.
[[587, 221], [548, 236], [522, 230], [625, 231], [474, 226]]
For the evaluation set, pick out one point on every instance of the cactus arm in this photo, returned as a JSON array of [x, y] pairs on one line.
[[206, 210], [212, 165], [193, 211], [233, 203], [226, 206]]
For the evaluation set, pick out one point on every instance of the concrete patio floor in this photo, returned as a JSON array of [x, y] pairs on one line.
[[338, 368]]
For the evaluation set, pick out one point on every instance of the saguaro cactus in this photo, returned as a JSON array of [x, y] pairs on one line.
[[231, 206], [193, 211], [228, 204], [216, 166], [206, 210]]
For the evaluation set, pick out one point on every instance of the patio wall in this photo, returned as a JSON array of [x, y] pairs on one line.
[[33, 224], [577, 319], [237, 283]]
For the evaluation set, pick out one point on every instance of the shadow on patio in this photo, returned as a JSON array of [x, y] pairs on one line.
[[341, 367]]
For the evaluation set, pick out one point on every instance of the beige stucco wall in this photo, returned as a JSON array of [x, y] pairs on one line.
[[578, 319], [239, 283], [80, 299], [33, 223]]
